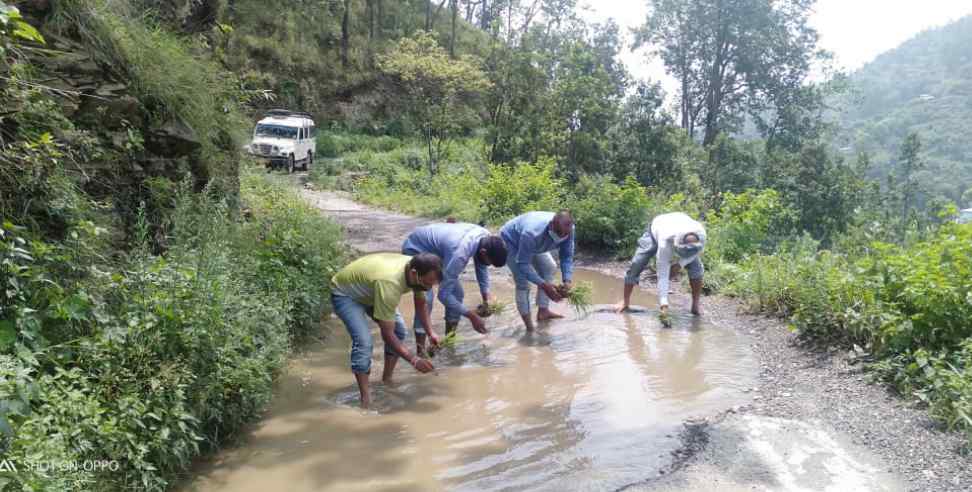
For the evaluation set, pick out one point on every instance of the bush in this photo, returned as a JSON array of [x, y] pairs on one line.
[[511, 190], [154, 360], [747, 223], [907, 305], [609, 216]]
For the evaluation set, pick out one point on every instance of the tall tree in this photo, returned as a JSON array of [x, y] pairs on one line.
[[732, 57], [905, 176], [454, 5], [432, 15], [346, 33], [370, 10], [438, 93]]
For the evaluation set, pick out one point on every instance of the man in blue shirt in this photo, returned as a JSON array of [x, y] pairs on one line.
[[529, 238], [456, 244]]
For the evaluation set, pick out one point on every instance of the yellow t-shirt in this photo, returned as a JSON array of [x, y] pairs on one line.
[[376, 280]]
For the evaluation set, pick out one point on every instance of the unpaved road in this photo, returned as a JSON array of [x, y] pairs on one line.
[[814, 422]]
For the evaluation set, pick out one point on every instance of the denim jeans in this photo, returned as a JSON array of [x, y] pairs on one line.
[[451, 315], [545, 266], [355, 317], [647, 249]]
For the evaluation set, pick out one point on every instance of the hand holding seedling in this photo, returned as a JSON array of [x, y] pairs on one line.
[[552, 292]]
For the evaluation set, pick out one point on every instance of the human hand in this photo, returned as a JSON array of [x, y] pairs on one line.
[[552, 292], [478, 324], [433, 339], [422, 365]]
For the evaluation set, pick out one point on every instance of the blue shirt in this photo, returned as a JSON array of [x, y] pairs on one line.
[[529, 235], [455, 244]]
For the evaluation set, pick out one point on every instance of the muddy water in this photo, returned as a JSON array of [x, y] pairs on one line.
[[585, 403]]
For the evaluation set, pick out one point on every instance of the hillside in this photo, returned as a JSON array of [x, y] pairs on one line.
[[294, 51], [923, 86]]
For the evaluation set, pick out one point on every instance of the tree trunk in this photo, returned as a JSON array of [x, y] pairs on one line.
[[370, 8], [345, 33], [452, 38], [380, 21], [484, 18], [428, 15], [717, 85]]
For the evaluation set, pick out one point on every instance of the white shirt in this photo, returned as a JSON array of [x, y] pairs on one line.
[[669, 230]]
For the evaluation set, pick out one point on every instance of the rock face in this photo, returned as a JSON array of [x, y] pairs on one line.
[[173, 138], [189, 16]]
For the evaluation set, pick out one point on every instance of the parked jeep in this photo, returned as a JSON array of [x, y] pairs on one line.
[[285, 139]]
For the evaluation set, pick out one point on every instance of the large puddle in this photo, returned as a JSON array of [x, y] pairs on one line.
[[589, 403]]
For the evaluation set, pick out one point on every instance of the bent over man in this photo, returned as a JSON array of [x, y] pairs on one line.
[[371, 287], [529, 238], [456, 244], [676, 241]]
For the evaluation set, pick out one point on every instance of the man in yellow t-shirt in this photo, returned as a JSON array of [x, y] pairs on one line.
[[372, 286]]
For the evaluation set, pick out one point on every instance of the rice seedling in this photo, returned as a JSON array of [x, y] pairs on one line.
[[495, 307], [579, 296]]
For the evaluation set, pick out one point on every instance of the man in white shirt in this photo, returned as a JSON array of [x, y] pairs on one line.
[[677, 241]]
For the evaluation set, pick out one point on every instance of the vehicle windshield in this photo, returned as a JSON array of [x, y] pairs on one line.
[[276, 131]]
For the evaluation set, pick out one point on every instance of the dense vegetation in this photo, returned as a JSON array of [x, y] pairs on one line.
[[153, 283], [922, 87]]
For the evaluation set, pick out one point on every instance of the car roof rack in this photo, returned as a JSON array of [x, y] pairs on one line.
[[287, 112]]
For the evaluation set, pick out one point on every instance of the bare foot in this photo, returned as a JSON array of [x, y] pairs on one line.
[[545, 314]]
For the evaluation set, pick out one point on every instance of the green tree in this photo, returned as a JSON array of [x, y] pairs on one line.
[[644, 142], [732, 57], [904, 183], [557, 92], [438, 93]]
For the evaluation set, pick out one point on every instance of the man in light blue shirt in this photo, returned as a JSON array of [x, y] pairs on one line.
[[529, 238], [456, 244]]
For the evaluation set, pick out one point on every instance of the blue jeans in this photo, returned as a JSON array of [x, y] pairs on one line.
[[451, 315], [355, 317], [647, 249], [545, 266]]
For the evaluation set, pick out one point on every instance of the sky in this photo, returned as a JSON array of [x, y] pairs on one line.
[[856, 31]]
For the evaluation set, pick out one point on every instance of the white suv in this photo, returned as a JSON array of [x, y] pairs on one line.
[[285, 139]]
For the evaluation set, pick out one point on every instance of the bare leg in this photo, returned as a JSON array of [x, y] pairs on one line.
[[363, 388], [451, 327], [420, 349], [390, 362], [544, 314], [696, 284], [626, 301], [527, 321]]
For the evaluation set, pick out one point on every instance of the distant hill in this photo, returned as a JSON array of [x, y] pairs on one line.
[[923, 86]]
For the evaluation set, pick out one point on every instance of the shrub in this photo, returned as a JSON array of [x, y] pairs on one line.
[[151, 361], [609, 216], [510, 190], [747, 223]]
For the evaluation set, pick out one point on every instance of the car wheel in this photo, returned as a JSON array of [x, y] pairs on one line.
[[290, 164], [309, 161]]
